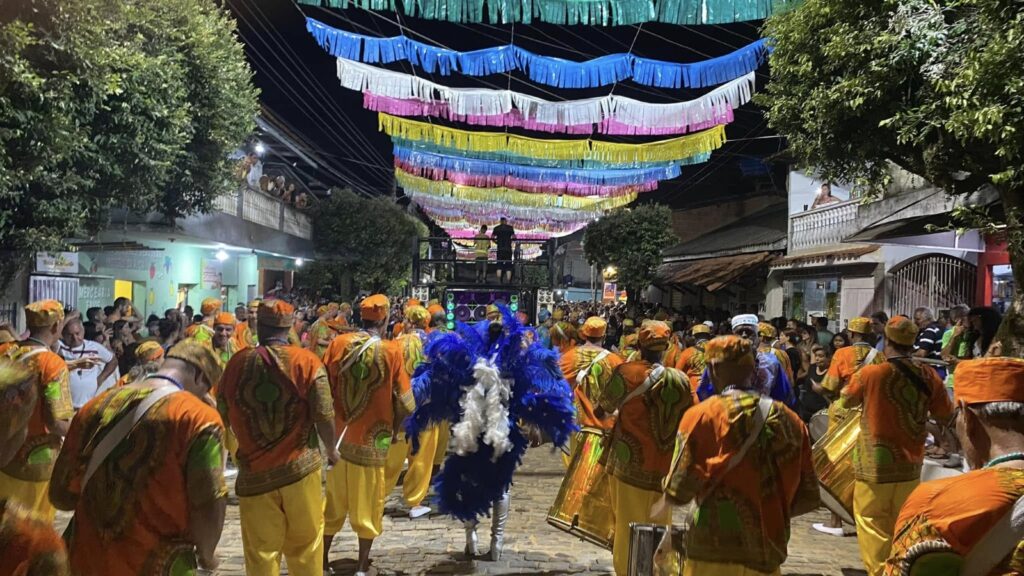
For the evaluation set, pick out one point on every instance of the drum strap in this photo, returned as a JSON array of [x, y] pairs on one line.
[[764, 405], [869, 358], [1000, 540], [656, 372], [581, 376]]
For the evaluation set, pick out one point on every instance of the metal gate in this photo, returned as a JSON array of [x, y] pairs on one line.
[[933, 280], [64, 290]]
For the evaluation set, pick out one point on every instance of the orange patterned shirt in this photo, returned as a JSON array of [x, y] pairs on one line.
[[586, 394], [133, 516], [244, 336], [274, 420], [28, 544], [845, 362], [890, 447], [372, 395], [691, 361], [746, 519], [958, 512], [34, 460], [644, 435]]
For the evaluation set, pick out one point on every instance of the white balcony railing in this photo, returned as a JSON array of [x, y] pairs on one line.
[[822, 227], [266, 211]]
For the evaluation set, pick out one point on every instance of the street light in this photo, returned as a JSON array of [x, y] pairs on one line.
[[260, 148], [610, 271], [299, 262], [221, 255]]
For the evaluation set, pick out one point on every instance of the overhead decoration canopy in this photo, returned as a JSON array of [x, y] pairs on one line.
[[545, 186], [585, 12]]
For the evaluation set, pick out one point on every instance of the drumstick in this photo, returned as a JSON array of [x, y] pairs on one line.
[[337, 445]]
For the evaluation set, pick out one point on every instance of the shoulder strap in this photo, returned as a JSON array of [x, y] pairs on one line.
[[1001, 539], [581, 376], [657, 370], [276, 373], [121, 430], [351, 358], [868, 359], [764, 406], [34, 352], [914, 377]]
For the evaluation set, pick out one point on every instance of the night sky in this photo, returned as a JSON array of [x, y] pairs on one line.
[[299, 86]]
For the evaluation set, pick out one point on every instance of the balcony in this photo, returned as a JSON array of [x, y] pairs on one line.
[[266, 211], [822, 227]]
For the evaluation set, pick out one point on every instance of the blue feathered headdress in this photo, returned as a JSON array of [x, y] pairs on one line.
[[539, 397]]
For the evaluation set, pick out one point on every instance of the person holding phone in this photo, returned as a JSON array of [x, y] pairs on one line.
[[92, 367]]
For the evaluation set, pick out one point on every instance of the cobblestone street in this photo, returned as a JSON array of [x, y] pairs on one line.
[[434, 544]]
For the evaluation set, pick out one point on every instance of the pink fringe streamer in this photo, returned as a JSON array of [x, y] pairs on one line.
[[514, 119]]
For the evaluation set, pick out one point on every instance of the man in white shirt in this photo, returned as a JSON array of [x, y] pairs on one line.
[[92, 367]]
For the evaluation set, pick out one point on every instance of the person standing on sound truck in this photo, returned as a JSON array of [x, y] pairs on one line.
[[503, 235]]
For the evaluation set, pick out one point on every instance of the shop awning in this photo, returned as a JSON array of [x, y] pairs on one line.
[[712, 273], [844, 255]]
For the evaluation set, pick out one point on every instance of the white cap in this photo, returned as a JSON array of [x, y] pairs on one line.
[[744, 320], [709, 323]]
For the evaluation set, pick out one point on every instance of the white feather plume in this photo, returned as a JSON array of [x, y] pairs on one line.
[[484, 411]]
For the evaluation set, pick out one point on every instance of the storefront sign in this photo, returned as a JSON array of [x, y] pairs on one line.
[[57, 262], [609, 292], [212, 273]]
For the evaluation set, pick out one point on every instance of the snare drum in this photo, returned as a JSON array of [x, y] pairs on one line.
[[818, 424], [833, 463], [583, 505], [643, 543]]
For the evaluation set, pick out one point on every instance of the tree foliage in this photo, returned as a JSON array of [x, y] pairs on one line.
[[631, 240], [107, 103], [373, 239], [933, 86]]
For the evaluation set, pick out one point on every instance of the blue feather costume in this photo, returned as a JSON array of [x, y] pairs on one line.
[[540, 397]]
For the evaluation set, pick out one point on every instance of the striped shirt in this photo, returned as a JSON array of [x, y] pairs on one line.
[[930, 339]]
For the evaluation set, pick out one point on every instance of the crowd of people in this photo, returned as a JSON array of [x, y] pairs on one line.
[[134, 423]]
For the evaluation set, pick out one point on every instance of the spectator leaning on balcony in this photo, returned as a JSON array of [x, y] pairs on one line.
[[824, 197]]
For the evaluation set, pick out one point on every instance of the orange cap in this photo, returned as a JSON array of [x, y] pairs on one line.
[[417, 316], [209, 306], [654, 335], [199, 355], [254, 304], [276, 313], [345, 307], [860, 325], [413, 302], [700, 329], [558, 314], [225, 318], [766, 330], [44, 313], [333, 307], [374, 308], [729, 349], [322, 310], [435, 309], [562, 332], [901, 330], [999, 379], [594, 327], [149, 351]]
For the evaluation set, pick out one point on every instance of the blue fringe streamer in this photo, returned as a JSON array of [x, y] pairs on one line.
[[547, 70], [623, 177], [468, 485], [430, 147]]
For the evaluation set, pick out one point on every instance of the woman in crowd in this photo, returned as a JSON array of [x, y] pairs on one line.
[[840, 340], [811, 400]]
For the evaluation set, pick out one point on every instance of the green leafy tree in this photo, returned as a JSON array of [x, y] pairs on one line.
[[631, 240], [373, 239], [933, 86], [107, 103]]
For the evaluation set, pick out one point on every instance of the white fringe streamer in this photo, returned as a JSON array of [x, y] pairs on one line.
[[487, 102], [484, 411]]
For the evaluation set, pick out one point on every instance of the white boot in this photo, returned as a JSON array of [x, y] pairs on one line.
[[499, 515]]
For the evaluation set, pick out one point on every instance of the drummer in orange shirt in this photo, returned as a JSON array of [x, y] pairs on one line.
[[691, 361], [650, 400], [587, 369]]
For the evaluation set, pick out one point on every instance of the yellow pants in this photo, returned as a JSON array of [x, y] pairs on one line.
[[444, 435], [288, 520], [876, 508], [32, 495], [356, 492], [417, 478], [702, 568], [631, 504]]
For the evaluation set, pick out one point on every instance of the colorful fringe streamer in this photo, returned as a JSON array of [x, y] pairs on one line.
[[514, 119], [541, 69], [507, 196], [473, 221], [584, 12], [440, 163], [474, 104], [671, 150], [502, 156]]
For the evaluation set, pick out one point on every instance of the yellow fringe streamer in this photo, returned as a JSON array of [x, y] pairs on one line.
[[508, 196], [674, 149]]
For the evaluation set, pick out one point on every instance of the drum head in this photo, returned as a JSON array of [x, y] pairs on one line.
[[818, 425], [834, 506]]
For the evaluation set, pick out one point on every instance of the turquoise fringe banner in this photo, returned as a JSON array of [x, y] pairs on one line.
[[573, 12]]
